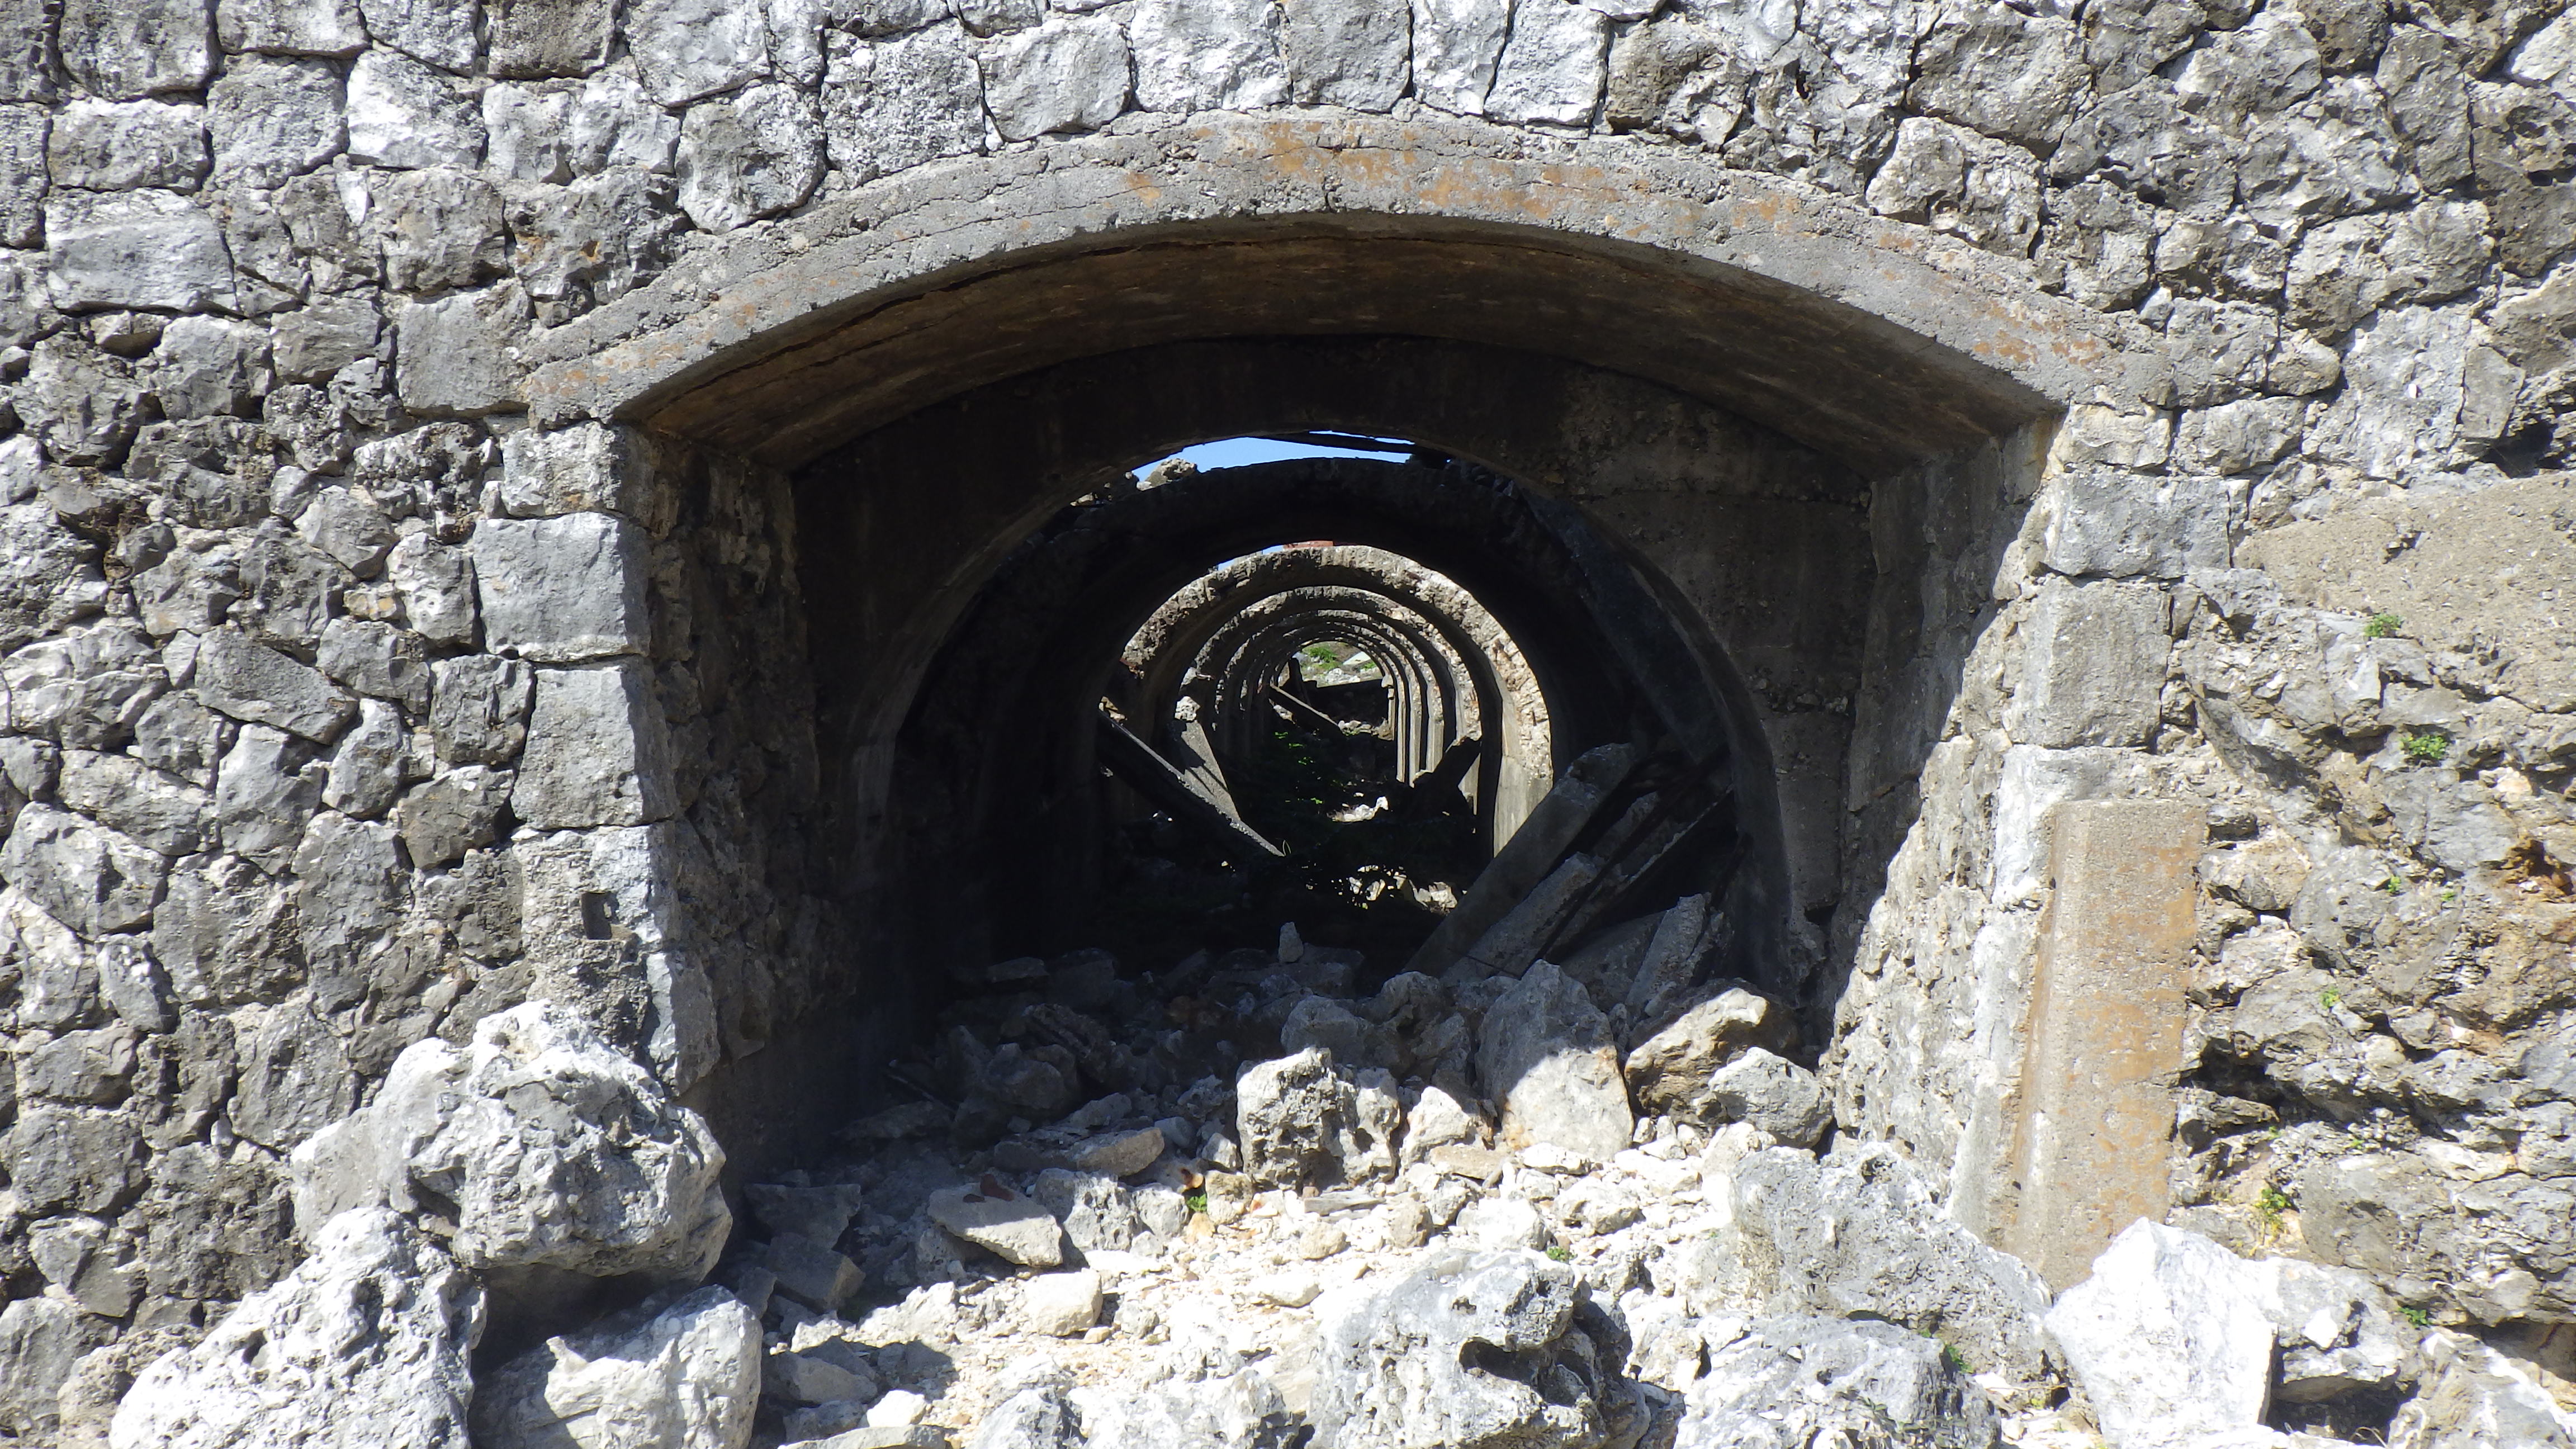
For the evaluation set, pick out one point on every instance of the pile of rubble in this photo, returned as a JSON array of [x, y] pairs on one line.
[[1245, 1203]]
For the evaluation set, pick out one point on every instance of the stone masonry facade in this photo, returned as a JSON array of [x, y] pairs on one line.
[[357, 683]]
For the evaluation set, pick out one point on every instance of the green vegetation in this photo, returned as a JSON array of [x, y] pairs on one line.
[[1560, 1254], [1195, 1201], [2426, 747], [2269, 1204], [2382, 626], [2330, 998], [2420, 1317]]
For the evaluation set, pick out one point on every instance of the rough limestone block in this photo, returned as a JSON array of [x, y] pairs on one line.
[[597, 752], [26, 51], [1554, 65], [1060, 1305], [403, 1379], [1346, 53], [437, 228], [2120, 525], [687, 1377], [563, 589], [273, 119], [898, 103], [1400, 1368], [152, 249], [121, 145], [80, 1159], [1015, 1228], [122, 50], [259, 685], [436, 583], [591, 467], [41, 1340], [478, 708], [1545, 1052], [2093, 665], [752, 154], [687, 49], [452, 814], [1067, 75], [434, 32], [1793, 1380], [291, 27], [2093, 1119], [402, 113], [1207, 55], [533, 38], [2165, 1338], [23, 133], [452, 356], [614, 122], [548, 1146]]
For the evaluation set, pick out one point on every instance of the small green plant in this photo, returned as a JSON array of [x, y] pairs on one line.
[[2393, 886], [2420, 1317], [2269, 1204], [2330, 998], [2382, 626], [1957, 1361], [2426, 747], [1559, 1254], [1195, 1201]]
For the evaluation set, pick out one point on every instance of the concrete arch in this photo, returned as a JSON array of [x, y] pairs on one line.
[[1500, 699], [1871, 340]]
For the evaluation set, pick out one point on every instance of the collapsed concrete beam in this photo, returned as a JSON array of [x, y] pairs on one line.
[[1174, 791], [1528, 857]]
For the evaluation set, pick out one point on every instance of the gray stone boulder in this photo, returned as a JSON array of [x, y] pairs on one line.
[[546, 1148], [365, 1343], [684, 1377], [1039, 1413], [1792, 1382], [1545, 1052], [2338, 1331], [1197, 1392], [1860, 1234], [1017, 1229], [1467, 1352], [2166, 1339]]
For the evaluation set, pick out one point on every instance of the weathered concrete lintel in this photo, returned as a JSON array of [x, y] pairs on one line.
[[879, 293]]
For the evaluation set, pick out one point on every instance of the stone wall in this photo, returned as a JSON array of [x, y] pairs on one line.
[[345, 705]]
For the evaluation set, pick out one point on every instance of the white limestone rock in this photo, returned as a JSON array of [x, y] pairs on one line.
[[121, 792], [2338, 1331], [2117, 524], [1859, 1234], [367, 768], [151, 249], [121, 145], [1833, 1381], [689, 49], [893, 104], [92, 879], [450, 815], [403, 114], [1060, 1305], [41, 1339], [1351, 53], [1554, 65], [1396, 1368], [687, 1376], [1546, 1054], [597, 750], [550, 1148], [365, 1343], [291, 27], [1018, 1229], [596, 239], [2166, 1339], [434, 32], [273, 119], [1984, 191], [438, 228], [615, 122], [1207, 55], [2093, 665], [209, 367], [2473, 1397], [1066, 75], [563, 589], [752, 154], [1302, 1121], [478, 708]]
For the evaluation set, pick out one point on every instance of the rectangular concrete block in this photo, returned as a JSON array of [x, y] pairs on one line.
[[2092, 1122], [562, 589]]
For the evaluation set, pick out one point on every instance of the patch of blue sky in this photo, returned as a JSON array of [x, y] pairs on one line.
[[1236, 452]]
